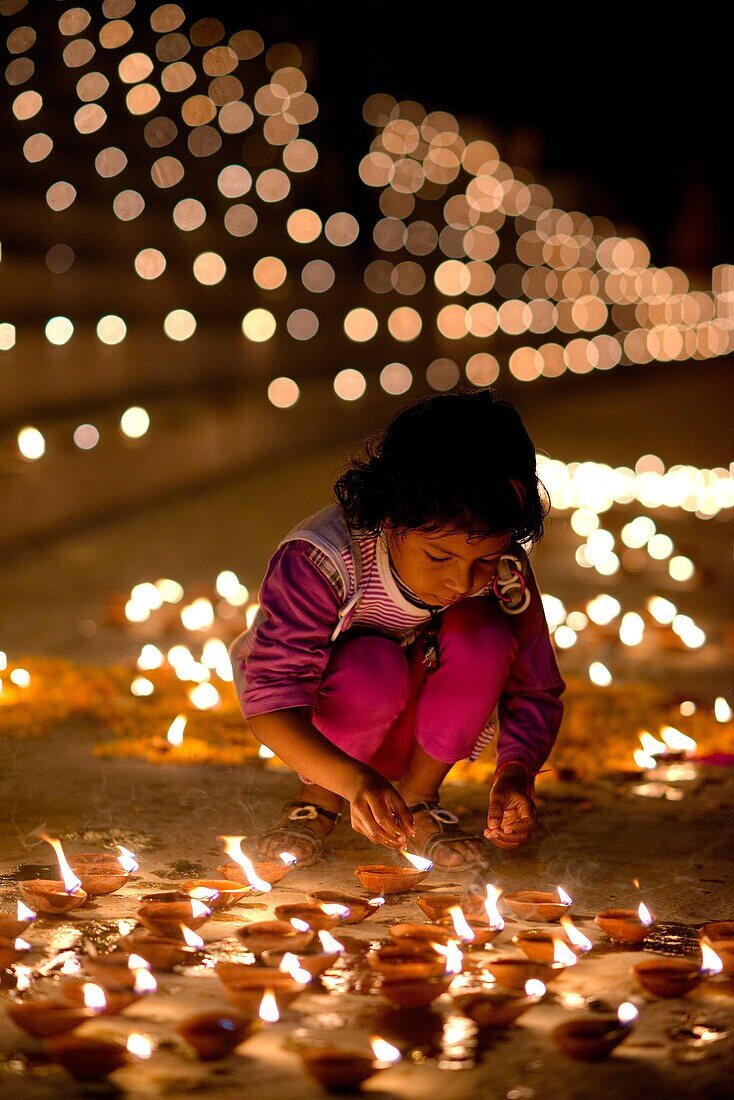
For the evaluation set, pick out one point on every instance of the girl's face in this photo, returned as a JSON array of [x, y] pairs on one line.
[[441, 567]]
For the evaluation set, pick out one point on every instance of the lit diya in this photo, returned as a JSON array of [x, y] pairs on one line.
[[359, 908], [437, 905], [163, 953], [539, 904], [12, 951], [275, 935], [380, 879], [626, 925], [214, 1035], [246, 988], [49, 896], [88, 1059], [117, 968], [216, 893], [258, 876], [593, 1038], [103, 873], [668, 977], [11, 927], [399, 961], [318, 917], [45, 1017], [166, 918], [339, 1070], [314, 960], [498, 1008], [514, 972], [476, 932], [725, 951], [538, 944], [110, 999], [425, 933]]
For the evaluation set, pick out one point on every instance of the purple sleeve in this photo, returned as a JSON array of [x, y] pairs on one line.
[[291, 646], [530, 709]]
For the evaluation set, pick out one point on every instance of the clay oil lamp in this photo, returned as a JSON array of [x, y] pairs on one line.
[[246, 992], [275, 935], [539, 945], [88, 1059], [379, 879], [118, 968], [725, 951], [214, 1035], [398, 962], [11, 927], [314, 961], [593, 1038], [315, 916], [716, 957], [105, 1002], [51, 897], [668, 977], [498, 1008], [419, 992], [422, 933], [166, 918], [12, 951], [626, 925], [258, 876], [539, 904], [102, 874], [437, 905], [714, 930], [472, 933], [163, 953], [45, 1017], [358, 908], [216, 893], [514, 971], [340, 1070]]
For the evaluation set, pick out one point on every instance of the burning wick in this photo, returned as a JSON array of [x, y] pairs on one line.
[[677, 741], [627, 1013], [265, 753], [137, 962], [232, 848], [562, 953], [22, 977], [534, 988], [300, 925], [328, 943], [710, 963], [201, 893], [334, 909], [127, 860], [461, 925], [563, 897], [453, 955], [72, 884], [644, 914], [575, 936], [139, 1045], [290, 965], [94, 997], [377, 901], [71, 966], [288, 858], [24, 913], [144, 981], [198, 909], [176, 729], [269, 1013], [419, 862], [490, 907], [191, 939], [21, 944], [384, 1052]]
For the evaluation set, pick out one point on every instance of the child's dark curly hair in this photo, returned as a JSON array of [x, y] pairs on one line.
[[462, 461]]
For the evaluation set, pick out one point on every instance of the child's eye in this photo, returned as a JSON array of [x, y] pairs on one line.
[[432, 558]]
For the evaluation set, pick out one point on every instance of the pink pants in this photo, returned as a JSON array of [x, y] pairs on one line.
[[376, 700]]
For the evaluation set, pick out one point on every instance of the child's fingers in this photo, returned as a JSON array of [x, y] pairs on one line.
[[402, 815], [364, 821], [384, 811]]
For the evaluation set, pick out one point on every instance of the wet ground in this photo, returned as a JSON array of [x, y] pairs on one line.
[[593, 841]]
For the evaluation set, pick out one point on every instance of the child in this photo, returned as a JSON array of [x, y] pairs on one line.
[[391, 626]]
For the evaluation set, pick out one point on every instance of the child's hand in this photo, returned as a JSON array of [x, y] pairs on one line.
[[512, 813], [379, 813]]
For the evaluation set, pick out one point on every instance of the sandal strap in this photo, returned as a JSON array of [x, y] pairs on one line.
[[311, 811], [440, 815]]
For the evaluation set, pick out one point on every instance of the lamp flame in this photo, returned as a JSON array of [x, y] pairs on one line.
[[137, 962], [21, 944], [139, 1045], [24, 913], [265, 753], [490, 907], [269, 1013], [328, 943], [461, 925], [562, 953], [575, 936], [419, 862], [144, 981], [563, 897], [290, 965], [22, 977], [72, 884], [288, 858], [94, 997], [201, 893], [453, 955], [377, 901], [534, 988], [644, 913], [198, 909], [191, 939], [677, 741], [300, 925], [384, 1051], [710, 963], [176, 729], [127, 860], [334, 909], [234, 851], [627, 1013], [70, 966], [651, 745], [643, 760]]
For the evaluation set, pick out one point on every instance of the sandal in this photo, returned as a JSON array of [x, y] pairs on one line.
[[299, 813], [449, 833]]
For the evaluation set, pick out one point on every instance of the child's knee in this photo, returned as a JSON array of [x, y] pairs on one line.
[[370, 676]]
